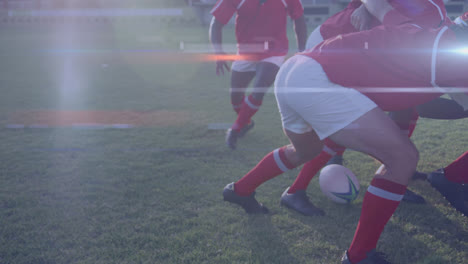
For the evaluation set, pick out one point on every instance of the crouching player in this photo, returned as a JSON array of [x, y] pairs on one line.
[[335, 91]]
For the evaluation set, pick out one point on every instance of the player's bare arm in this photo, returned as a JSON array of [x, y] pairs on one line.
[[361, 18], [378, 8], [216, 39], [300, 28]]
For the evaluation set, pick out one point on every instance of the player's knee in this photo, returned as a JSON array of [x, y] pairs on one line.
[[413, 156], [406, 157], [300, 156], [308, 154]]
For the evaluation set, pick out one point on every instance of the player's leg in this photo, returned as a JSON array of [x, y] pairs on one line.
[[312, 167], [406, 120], [242, 74], [361, 126], [377, 135], [442, 108], [277, 161], [273, 164], [264, 78], [449, 181], [295, 197], [239, 83]]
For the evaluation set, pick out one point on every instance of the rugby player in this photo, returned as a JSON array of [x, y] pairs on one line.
[[262, 45], [429, 14], [340, 90]]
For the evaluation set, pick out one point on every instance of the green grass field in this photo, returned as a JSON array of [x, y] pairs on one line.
[[152, 194]]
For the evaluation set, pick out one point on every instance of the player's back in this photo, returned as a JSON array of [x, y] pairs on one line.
[[399, 56], [425, 13]]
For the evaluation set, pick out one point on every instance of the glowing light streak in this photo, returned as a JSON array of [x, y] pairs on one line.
[[463, 51], [100, 12]]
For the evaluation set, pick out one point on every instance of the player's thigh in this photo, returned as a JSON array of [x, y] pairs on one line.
[[374, 133], [266, 71], [241, 80], [307, 145], [308, 100], [403, 117]]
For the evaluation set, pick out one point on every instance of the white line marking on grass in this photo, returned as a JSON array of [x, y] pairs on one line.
[[89, 126], [155, 149], [14, 126], [75, 126], [101, 126], [122, 126], [38, 126]]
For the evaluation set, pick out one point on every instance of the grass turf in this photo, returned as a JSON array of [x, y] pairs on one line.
[[153, 194]]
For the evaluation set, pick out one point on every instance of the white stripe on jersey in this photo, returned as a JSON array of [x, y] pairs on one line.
[[216, 6], [240, 4], [416, 25], [284, 3], [442, 17], [434, 58], [278, 160], [384, 194]]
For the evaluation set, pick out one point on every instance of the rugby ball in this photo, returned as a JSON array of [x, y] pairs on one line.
[[339, 183]]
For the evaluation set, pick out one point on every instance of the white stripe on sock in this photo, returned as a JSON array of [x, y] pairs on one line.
[[328, 150], [278, 160], [385, 194], [250, 104]]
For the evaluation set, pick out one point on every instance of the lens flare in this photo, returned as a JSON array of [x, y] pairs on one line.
[[463, 51]]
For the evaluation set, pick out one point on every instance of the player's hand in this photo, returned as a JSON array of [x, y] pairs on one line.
[[221, 65], [361, 19]]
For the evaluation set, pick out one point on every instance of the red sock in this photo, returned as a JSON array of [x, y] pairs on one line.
[[249, 107], [312, 167], [272, 165], [237, 105], [412, 124], [338, 149], [457, 171], [380, 201]]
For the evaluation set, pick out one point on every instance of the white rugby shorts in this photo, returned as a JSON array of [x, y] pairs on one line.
[[314, 38], [308, 100], [250, 66]]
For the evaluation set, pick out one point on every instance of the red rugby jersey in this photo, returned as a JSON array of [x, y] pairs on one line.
[[260, 28], [394, 55], [425, 13]]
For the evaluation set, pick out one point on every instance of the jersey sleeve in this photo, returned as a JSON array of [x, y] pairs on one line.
[[223, 11], [295, 9], [427, 14], [395, 18], [452, 62]]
